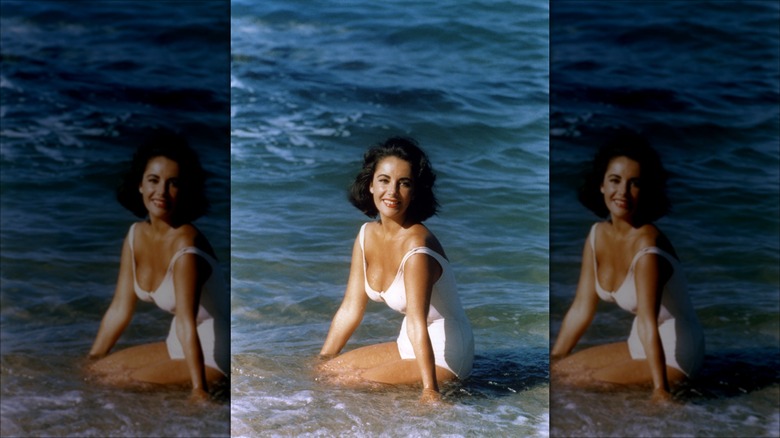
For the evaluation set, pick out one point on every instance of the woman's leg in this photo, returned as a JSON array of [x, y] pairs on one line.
[[130, 359], [635, 372], [610, 364], [380, 363], [148, 363], [364, 357], [173, 372], [403, 372]]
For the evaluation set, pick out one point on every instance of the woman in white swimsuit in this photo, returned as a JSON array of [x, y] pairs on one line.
[[166, 260], [399, 261], [629, 261]]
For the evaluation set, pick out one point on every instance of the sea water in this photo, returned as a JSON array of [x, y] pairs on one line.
[[313, 85], [81, 85], [700, 80]]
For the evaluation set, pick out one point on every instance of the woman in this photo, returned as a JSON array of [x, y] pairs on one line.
[[166, 260], [629, 261], [399, 261]]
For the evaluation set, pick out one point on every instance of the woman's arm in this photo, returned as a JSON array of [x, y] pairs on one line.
[[651, 274], [120, 311], [188, 278], [421, 272], [352, 308], [582, 309]]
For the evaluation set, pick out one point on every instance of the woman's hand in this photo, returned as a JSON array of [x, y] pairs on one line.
[[661, 396], [430, 396], [555, 359], [322, 365], [198, 395]]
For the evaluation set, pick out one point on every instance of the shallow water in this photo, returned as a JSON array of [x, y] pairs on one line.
[[312, 88], [80, 87], [699, 79]]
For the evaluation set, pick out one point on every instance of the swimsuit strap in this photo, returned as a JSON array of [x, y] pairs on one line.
[[423, 250], [186, 250], [191, 250], [130, 235], [592, 238], [362, 239], [653, 250], [646, 250], [179, 253], [362, 236], [420, 249]]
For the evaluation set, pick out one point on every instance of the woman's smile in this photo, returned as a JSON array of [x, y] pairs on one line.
[[391, 186], [621, 187], [159, 186]]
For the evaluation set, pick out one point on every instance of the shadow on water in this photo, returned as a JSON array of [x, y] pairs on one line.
[[734, 373], [504, 372]]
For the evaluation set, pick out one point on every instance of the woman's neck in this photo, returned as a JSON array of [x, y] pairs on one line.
[[391, 227], [160, 226], [622, 227]]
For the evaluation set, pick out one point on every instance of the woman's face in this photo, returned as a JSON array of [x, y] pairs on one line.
[[621, 187], [392, 187], [159, 187]]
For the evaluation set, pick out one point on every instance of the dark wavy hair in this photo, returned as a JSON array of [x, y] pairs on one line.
[[654, 203], [423, 204], [191, 201]]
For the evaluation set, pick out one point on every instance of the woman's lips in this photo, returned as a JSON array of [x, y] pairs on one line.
[[160, 203], [622, 203]]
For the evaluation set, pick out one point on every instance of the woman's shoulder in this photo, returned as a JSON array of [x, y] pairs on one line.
[[420, 236], [414, 236], [181, 237], [598, 226], [189, 236], [186, 236], [369, 226], [598, 229], [650, 236]]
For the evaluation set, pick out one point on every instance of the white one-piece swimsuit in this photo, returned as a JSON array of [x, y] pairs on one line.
[[681, 335], [213, 310], [448, 326]]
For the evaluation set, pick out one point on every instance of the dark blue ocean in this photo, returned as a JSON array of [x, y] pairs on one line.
[[313, 85], [701, 80], [81, 84]]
